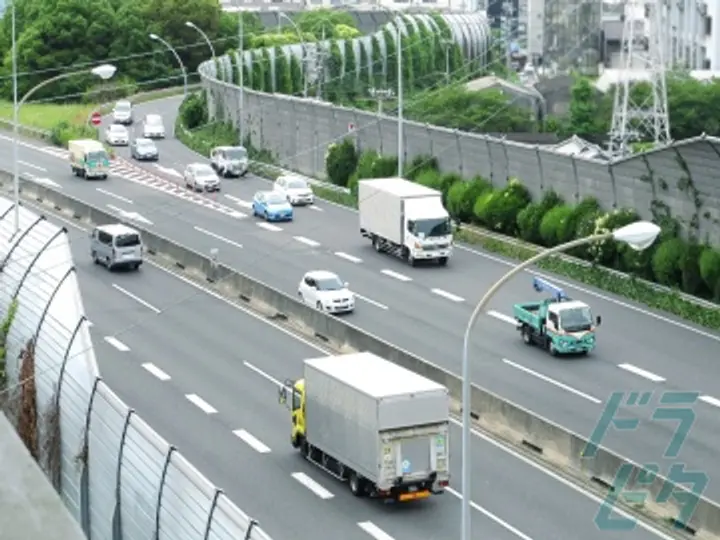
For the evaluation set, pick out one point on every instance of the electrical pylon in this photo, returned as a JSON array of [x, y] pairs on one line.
[[638, 116]]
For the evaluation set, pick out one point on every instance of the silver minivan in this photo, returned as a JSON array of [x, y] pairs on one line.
[[116, 246]]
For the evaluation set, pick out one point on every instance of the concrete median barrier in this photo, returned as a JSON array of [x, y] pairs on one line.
[[548, 441]]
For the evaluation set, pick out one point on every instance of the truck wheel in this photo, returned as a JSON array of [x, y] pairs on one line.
[[552, 349], [356, 484], [376, 244], [443, 261], [412, 261], [526, 337]]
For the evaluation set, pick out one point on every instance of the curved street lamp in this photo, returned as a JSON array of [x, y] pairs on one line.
[[639, 236], [104, 71], [169, 47], [304, 49], [194, 26]]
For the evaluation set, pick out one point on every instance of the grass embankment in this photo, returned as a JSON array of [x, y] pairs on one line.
[[46, 116]]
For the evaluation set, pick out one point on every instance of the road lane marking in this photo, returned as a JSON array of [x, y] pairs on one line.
[[36, 167], [502, 317], [710, 400], [395, 275], [449, 296], [269, 227], [369, 301], [136, 298], [348, 257], [239, 202], [552, 381], [156, 371], [306, 241], [251, 441], [504, 524], [374, 531], [316, 208], [642, 373], [114, 195], [115, 342], [200, 403], [89, 323], [218, 237], [264, 375], [312, 485]]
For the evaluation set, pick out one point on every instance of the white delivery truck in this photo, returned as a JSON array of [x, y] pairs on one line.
[[406, 219], [377, 425], [89, 159]]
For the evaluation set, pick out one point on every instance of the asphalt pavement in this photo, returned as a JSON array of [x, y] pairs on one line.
[[425, 310]]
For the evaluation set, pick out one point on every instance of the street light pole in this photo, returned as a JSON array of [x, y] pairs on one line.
[[192, 25], [241, 52], [16, 173], [304, 49], [639, 236], [155, 37], [400, 139], [104, 71]]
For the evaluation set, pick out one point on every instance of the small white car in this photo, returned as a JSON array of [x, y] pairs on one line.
[[117, 135], [295, 188], [201, 177], [153, 127], [325, 291], [122, 112]]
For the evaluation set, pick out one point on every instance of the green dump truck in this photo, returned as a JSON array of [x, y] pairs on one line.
[[559, 324]]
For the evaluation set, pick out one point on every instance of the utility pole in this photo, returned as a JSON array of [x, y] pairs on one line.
[[241, 52], [381, 95]]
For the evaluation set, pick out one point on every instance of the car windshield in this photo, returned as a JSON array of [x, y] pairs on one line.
[[330, 284], [122, 106], [146, 145], [117, 129], [432, 227], [274, 199], [576, 319], [236, 153], [297, 184], [203, 170], [98, 155], [154, 120], [127, 240]]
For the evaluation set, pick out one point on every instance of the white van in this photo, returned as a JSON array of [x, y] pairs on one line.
[[116, 246]]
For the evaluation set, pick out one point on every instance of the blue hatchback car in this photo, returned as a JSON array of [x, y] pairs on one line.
[[272, 206]]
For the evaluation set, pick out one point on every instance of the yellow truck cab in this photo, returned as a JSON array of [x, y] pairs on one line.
[[297, 408]]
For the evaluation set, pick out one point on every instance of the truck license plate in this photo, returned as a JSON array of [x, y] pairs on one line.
[[414, 496]]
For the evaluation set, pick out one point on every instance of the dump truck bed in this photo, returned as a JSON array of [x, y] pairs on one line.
[[528, 313]]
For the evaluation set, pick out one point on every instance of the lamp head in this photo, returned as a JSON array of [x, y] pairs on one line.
[[154, 36], [639, 235], [190, 24], [104, 71]]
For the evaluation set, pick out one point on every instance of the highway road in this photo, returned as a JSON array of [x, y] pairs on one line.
[[203, 373], [424, 310]]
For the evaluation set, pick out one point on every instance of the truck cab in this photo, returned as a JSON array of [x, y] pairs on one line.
[[292, 395]]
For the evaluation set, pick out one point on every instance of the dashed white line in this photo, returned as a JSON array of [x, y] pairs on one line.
[[449, 296], [251, 441], [306, 241], [269, 227], [502, 317], [504, 524], [374, 531], [710, 400], [218, 237], [369, 301], [395, 275], [316, 208], [136, 298], [115, 342], [201, 404], [156, 371], [114, 195], [348, 257], [239, 202], [312, 485], [552, 381], [264, 375], [642, 373], [89, 323], [36, 167]]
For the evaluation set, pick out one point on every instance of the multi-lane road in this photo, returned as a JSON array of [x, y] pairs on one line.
[[425, 310]]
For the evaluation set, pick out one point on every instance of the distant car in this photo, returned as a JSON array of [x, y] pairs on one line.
[[296, 190], [201, 177], [229, 160], [122, 112], [153, 127], [117, 135], [144, 150], [272, 206], [326, 291]]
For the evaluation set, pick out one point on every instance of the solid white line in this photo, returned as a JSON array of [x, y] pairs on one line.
[[119, 345], [251, 441], [136, 298], [269, 227], [504, 524], [552, 381], [306, 241], [316, 208], [43, 169], [395, 275], [312, 485], [89, 323], [348, 257], [114, 195], [710, 400], [374, 531], [373, 302], [217, 236], [264, 375], [201, 404], [502, 317], [156, 371], [642, 373], [239, 202], [447, 295]]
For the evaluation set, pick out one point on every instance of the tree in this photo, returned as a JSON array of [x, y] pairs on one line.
[[283, 77], [583, 108], [325, 21]]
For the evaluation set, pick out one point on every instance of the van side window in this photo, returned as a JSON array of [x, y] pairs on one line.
[[104, 238]]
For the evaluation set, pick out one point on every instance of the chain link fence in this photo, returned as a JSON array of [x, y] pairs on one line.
[[118, 478]]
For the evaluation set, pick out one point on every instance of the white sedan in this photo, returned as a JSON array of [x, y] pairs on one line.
[[201, 177], [296, 190], [325, 291], [117, 135]]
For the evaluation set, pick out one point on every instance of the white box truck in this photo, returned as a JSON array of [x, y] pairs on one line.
[[89, 159], [378, 426], [406, 219]]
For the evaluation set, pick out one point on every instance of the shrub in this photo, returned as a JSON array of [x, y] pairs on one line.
[[431, 179], [366, 163], [456, 201], [531, 216], [385, 167], [587, 206], [500, 211], [447, 181], [691, 281], [480, 205], [64, 132], [666, 262], [420, 164], [553, 223], [607, 252], [710, 270], [340, 162], [193, 111]]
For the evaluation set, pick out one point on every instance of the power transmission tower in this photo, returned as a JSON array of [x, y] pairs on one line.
[[638, 115]]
